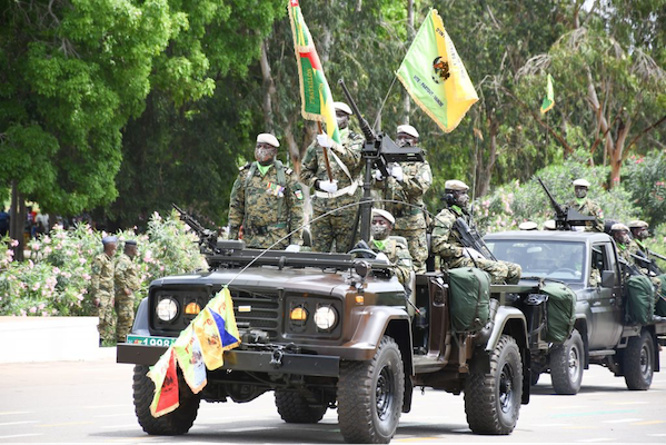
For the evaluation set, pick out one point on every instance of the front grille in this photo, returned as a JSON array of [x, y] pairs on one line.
[[257, 311]]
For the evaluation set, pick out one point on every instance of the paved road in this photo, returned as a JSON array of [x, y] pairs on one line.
[[91, 402]]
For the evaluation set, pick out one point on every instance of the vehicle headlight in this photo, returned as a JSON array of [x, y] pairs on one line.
[[326, 317], [167, 309]]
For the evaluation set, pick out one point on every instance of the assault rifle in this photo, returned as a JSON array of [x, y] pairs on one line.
[[650, 264], [379, 150], [207, 238], [565, 218], [469, 237]]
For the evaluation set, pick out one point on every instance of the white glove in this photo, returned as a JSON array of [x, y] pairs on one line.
[[329, 186], [378, 175], [381, 256], [293, 248], [324, 140], [474, 254], [396, 172]]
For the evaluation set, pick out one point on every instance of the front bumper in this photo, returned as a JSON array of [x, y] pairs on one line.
[[269, 361]]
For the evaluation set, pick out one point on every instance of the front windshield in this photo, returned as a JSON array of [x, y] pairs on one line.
[[558, 260]]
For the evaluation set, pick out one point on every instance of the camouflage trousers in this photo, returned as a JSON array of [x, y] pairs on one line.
[[107, 322], [500, 271], [125, 310], [332, 232], [417, 243]]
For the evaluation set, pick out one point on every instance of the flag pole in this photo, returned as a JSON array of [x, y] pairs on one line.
[[325, 151]]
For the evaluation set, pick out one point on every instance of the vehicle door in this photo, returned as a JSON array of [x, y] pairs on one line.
[[604, 299]]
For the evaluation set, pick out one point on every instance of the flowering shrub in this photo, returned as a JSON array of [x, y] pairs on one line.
[[55, 280], [645, 178]]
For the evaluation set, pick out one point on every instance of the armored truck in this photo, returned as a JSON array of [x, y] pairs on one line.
[[603, 333], [332, 331]]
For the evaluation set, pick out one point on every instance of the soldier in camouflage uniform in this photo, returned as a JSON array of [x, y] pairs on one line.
[[628, 249], [394, 247], [127, 282], [266, 200], [335, 230], [103, 290], [586, 206], [408, 182], [446, 239], [639, 232]]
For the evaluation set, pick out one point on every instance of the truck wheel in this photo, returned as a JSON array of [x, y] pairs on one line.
[[639, 362], [492, 401], [370, 395], [566, 365], [173, 424], [294, 408]]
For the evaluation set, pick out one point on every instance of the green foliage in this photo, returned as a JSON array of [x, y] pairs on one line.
[[645, 178], [55, 280]]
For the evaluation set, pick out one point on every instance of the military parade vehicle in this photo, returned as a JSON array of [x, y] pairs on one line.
[[614, 327]]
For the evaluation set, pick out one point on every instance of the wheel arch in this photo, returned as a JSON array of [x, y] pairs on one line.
[[581, 326]]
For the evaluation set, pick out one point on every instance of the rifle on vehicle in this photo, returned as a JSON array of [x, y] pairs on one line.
[[650, 264], [565, 218], [379, 150], [469, 237], [207, 238]]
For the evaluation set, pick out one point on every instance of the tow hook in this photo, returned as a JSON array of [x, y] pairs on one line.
[[276, 358]]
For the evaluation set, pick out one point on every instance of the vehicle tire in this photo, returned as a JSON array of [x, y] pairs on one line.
[[639, 362], [294, 408], [492, 400], [566, 365], [173, 424], [370, 395]]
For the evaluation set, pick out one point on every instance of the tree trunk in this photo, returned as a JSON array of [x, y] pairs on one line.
[[484, 169], [17, 222], [269, 88]]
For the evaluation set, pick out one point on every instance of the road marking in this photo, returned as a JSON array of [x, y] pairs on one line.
[[20, 435], [11, 413], [129, 425], [649, 422], [23, 422], [598, 439], [115, 415], [622, 420], [596, 413]]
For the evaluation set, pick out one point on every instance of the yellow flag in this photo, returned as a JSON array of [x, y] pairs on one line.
[[434, 75]]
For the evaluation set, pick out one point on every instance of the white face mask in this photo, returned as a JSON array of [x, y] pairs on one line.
[[264, 154]]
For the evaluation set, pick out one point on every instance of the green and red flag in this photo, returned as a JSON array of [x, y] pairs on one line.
[[316, 97], [165, 377], [434, 75], [549, 99]]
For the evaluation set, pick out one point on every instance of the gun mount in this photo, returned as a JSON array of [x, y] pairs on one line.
[[565, 218]]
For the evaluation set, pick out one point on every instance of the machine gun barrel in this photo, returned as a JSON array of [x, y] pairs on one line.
[[207, 237], [370, 135], [656, 255], [559, 210]]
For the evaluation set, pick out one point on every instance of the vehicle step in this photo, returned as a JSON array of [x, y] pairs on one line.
[[602, 353]]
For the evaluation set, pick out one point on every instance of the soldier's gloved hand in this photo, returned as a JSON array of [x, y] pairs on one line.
[[396, 172], [328, 186], [378, 175], [293, 248], [381, 256], [324, 140]]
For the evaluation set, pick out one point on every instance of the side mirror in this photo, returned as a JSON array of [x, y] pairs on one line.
[[607, 278]]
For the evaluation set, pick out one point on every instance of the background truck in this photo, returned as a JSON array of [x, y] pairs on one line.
[[588, 263], [330, 331]]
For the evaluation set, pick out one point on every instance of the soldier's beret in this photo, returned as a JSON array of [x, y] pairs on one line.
[[581, 183], [455, 184], [528, 225], [550, 224], [619, 226], [109, 239], [637, 224], [408, 129], [384, 214], [342, 107], [130, 242], [267, 138]]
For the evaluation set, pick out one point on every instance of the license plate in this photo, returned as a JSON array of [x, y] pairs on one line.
[[150, 341]]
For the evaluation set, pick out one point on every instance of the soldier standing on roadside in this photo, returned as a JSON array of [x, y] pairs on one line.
[[585, 206], [127, 282], [266, 200], [446, 240], [335, 230], [103, 290], [408, 182]]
